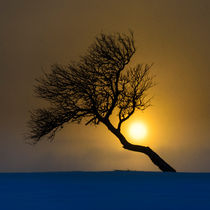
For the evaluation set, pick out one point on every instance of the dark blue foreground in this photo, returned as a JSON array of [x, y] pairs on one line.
[[104, 190]]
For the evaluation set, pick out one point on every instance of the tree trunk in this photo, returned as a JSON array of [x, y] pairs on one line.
[[155, 158]]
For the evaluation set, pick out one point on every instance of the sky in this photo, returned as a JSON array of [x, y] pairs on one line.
[[172, 34]]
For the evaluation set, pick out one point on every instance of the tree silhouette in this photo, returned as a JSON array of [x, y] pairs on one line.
[[92, 88]]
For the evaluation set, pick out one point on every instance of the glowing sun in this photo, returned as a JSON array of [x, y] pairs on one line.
[[138, 131]]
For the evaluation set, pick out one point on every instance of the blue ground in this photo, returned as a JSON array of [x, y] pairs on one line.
[[105, 190]]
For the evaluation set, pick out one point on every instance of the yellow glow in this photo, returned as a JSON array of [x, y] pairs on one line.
[[138, 131]]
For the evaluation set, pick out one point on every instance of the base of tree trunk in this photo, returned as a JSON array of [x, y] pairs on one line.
[[155, 158]]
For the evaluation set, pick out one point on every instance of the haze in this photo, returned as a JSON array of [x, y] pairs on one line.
[[174, 35]]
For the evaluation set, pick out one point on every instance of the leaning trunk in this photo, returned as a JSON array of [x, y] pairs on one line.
[[155, 158]]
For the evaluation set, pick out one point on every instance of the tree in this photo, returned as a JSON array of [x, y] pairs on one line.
[[92, 88]]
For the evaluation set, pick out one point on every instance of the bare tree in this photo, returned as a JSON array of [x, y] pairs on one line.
[[92, 88]]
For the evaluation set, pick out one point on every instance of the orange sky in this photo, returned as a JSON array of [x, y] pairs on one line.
[[174, 35]]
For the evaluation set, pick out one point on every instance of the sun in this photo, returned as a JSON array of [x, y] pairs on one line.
[[138, 131]]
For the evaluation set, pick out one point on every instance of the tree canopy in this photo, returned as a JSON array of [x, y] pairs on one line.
[[93, 87]]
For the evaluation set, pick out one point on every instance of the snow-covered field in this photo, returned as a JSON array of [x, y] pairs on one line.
[[104, 190]]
